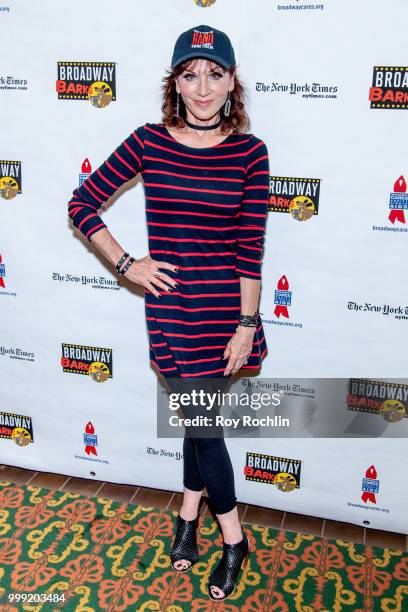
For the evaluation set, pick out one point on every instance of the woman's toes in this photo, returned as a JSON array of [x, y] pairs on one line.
[[216, 592], [182, 564]]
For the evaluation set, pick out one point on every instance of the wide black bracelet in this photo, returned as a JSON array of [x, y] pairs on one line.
[[120, 262], [127, 266], [249, 320]]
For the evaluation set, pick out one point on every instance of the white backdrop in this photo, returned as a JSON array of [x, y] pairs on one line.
[[337, 264]]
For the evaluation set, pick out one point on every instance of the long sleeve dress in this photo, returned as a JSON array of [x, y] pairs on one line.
[[206, 211]]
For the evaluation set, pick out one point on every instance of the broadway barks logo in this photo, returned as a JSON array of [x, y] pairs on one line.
[[297, 196], [16, 427], [282, 472], [10, 179], [389, 88], [90, 439], [387, 399], [202, 40], [93, 81], [92, 361], [398, 201]]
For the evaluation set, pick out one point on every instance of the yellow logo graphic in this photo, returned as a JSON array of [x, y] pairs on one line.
[[98, 371], [392, 410], [204, 3], [100, 94], [21, 436], [285, 482], [301, 208], [8, 187]]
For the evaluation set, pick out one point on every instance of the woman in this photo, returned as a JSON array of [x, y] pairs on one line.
[[206, 186]]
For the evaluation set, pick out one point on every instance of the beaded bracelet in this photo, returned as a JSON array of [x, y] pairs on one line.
[[127, 266], [120, 262]]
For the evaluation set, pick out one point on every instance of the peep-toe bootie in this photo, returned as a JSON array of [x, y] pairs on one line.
[[185, 543], [226, 573]]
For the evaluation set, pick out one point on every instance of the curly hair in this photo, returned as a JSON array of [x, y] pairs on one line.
[[237, 120]]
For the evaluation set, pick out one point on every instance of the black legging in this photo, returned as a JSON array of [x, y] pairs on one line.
[[206, 462]]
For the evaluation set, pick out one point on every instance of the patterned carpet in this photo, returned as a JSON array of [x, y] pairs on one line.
[[103, 555]]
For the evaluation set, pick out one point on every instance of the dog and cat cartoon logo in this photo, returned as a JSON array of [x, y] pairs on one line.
[[10, 179], [93, 81], [16, 427], [282, 472], [386, 399], [92, 361], [297, 196], [204, 3]]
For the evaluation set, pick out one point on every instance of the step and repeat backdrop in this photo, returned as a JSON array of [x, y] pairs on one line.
[[327, 90]]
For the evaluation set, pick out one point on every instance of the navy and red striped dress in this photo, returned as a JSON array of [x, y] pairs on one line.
[[206, 212]]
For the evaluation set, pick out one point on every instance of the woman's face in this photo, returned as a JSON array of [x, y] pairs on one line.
[[203, 86]]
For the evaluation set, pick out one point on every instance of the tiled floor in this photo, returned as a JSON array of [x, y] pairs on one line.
[[172, 501]]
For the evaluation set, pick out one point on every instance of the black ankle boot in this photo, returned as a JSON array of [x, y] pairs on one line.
[[226, 573], [185, 543]]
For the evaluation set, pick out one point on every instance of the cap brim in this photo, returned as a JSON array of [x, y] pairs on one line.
[[203, 55]]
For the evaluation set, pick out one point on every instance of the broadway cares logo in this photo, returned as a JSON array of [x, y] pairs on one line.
[[90, 440]]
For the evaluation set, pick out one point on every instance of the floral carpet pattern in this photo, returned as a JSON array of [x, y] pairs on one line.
[[99, 554]]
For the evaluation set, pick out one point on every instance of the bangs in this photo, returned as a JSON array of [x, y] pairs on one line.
[[192, 63]]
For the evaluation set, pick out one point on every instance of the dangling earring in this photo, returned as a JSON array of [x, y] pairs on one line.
[[227, 105], [178, 105]]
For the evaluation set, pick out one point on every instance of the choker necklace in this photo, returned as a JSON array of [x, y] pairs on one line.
[[202, 127]]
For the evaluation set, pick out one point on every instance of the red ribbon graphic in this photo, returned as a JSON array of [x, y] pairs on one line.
[[283, 285], [89, 429], [400, 186], [369, 495], [86, 167], [1, 278]]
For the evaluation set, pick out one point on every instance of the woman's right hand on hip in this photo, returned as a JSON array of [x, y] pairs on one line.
[[146, 272]]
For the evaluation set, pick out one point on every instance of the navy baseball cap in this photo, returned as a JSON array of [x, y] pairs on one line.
[[206, 42]]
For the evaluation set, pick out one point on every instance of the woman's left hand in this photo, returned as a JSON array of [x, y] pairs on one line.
[[239, 349]]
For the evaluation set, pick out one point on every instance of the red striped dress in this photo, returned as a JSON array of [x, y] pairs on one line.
[[206, 212]]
